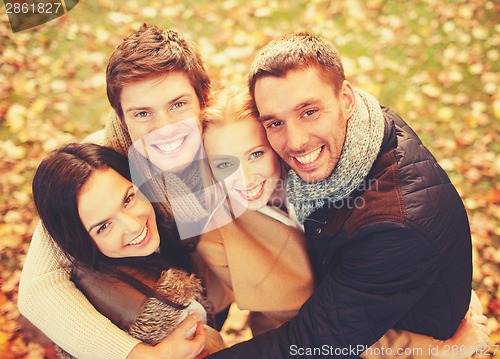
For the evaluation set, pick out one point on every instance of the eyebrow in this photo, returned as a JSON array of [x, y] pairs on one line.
[[107, 219], [171, 102], [300, 106], [253, 149], [185, 95], [133, 109]]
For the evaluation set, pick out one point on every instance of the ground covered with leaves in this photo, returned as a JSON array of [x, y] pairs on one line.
[[434, 62]]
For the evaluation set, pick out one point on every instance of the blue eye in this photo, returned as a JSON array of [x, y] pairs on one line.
[[178, 105], [224, 165], [256, 154], [142, 114]]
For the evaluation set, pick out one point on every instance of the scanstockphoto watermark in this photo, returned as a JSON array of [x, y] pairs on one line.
[[350, 202], [27, 14], [376, 351], [353, 350]]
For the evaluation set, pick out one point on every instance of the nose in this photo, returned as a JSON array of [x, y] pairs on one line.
[[131, 223], [164, 119], [296, 136], [247, 174]]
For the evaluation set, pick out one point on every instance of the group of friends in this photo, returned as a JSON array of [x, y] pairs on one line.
[[298, 197]]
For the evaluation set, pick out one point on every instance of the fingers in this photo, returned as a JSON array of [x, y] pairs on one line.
[[482, 330], [201, 334], [199, 341], [185, 326], [190, 321], [481, 319], [475, 307], [203, 354]]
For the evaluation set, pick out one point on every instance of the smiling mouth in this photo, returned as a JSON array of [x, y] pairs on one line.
[[140, 238], [253, 193], [310, 157], [171, 147]]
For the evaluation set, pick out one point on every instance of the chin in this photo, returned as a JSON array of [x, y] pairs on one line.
[[255, 206]]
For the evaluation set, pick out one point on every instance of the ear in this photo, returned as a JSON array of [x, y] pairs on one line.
[[347, 99]]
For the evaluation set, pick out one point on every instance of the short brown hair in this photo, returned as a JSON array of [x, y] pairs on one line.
[[152, 52], [293, 52]]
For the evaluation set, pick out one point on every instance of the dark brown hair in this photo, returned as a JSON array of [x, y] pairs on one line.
[[294, 52]]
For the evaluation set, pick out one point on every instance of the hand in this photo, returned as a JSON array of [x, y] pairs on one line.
[[175, 346], [471, 335], [475, 307], [203, 354]]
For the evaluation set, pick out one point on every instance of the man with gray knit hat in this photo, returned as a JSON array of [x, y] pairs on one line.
[[391, 239]]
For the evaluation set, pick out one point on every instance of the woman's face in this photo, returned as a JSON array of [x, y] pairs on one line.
[[240, 154], [162, 117], [120, 223]]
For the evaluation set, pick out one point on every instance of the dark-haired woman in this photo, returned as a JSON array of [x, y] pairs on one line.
[[131, 268]]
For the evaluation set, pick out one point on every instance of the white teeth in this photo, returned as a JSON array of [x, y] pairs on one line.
[[171, 146], [141, 236], [250, 194], [254, 192], [310, 157]]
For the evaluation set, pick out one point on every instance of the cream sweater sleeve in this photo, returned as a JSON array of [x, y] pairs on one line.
[[50, 300]]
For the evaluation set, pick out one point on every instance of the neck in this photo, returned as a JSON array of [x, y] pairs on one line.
[[278, 199]]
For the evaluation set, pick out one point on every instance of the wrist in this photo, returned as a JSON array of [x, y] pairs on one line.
[[439, 345], [140, 351]]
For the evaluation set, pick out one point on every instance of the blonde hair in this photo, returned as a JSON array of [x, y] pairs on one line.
[[226, 106]]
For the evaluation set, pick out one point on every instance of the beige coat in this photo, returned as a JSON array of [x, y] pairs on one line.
[[264, 262]]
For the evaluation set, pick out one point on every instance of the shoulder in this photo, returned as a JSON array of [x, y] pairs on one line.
[[97, 137]]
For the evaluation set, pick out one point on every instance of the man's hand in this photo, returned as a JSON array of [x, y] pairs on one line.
[[175, 346], [471, 336]]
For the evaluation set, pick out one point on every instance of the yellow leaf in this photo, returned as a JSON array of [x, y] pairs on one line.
[[39, 105], [431, 90], [445, 113], [16, 116], [4, 340], [496, 108]]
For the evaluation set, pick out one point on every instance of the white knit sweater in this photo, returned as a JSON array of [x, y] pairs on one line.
[[67, 317]]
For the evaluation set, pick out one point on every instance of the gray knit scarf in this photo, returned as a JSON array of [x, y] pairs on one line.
[[365, 132]]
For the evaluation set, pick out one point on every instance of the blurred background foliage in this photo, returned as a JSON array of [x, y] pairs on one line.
[[434, 62]]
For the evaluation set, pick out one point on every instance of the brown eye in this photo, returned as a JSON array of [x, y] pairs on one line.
[[103, 228], [129, 199], [275, 124]]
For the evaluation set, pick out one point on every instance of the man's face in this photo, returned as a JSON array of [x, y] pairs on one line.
[[161, 115], [304, 121]]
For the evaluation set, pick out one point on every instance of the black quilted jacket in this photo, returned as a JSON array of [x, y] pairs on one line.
[[396, 254]]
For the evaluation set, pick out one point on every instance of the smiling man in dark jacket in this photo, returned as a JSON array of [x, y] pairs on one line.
[[391, 238]]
